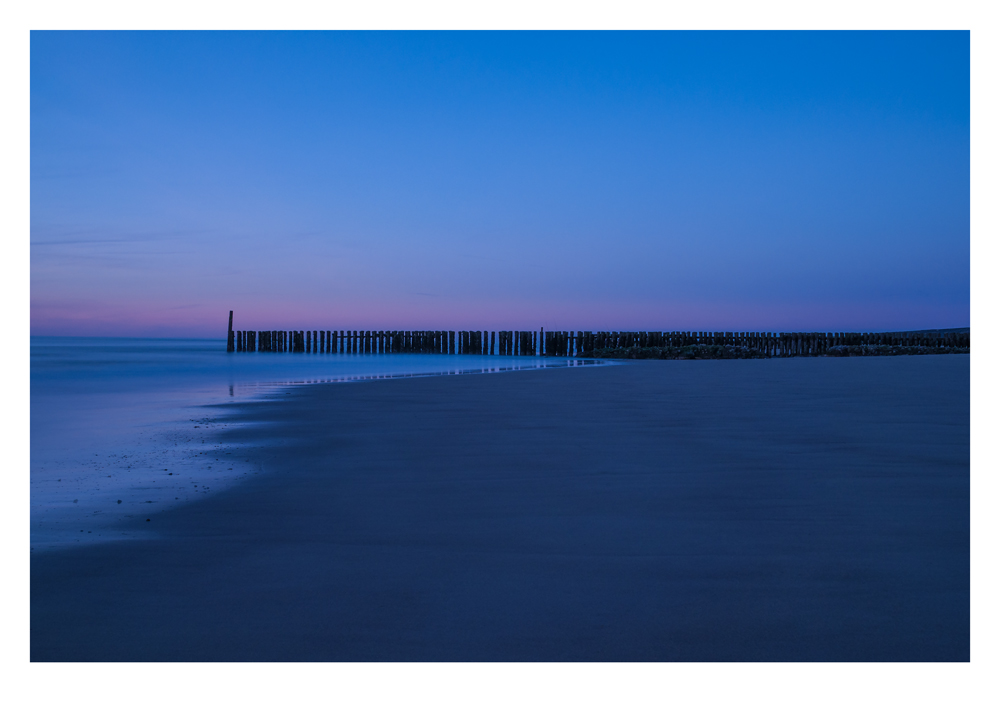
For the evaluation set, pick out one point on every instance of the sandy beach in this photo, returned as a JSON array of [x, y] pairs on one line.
[[789, 510]]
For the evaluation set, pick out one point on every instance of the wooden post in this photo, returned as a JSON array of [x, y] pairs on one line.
[[230, 340]]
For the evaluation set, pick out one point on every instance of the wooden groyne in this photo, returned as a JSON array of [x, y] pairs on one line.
[[572, 343]]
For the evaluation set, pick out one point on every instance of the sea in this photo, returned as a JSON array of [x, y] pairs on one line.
[[127, 427]]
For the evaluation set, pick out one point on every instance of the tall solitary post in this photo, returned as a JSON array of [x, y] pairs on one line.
[[230, 341]]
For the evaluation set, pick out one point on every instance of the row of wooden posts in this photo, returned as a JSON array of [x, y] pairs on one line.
[[560, 343]]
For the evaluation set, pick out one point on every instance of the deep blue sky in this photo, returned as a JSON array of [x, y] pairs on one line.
[[661, 180]]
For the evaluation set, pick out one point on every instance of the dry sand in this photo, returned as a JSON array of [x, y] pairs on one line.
[[803, 509]]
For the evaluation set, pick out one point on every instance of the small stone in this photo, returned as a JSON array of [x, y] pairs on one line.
[[147, 520], [119, 501]]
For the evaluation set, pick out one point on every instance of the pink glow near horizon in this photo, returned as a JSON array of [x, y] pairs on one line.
[[204, 321]]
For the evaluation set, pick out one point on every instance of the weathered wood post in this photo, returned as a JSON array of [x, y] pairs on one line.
[[230, 340]]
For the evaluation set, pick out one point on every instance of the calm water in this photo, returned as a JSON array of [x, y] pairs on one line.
[[124, 426]]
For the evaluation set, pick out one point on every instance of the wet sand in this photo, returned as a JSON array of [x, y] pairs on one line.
[[802, 509]]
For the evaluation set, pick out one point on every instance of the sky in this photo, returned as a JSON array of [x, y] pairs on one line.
[[726, 181]]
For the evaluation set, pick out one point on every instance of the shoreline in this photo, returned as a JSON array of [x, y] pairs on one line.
[[120, 432], [802, 509]]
